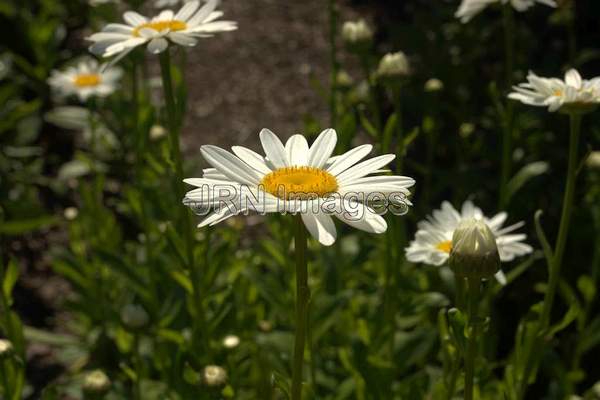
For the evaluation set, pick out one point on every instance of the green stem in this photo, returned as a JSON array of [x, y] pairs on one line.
[[565, 221], [334, 64], [507, 125], [544, 321], [399, 130], [302, 298], [364, 61], [173, 126], [473, 292], [453, 379]]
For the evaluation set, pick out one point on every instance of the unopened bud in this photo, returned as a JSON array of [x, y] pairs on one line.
[[134, 316], [343, 80], [434, 85], [231, 341], [357, 35], [474, 253], [157, 132], [393, 65], [6, 348], [70, 213], [213, 375], [593, 160], [96, 382]]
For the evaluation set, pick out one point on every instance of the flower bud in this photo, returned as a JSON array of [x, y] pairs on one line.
[[343, 80], [393, 65], [474, 253], [96, 382], [6, 348], [231, 341], [593, 160], [434, 85], [134, 316], [71, 213], [157, 132], [357, 35], [213, 375]]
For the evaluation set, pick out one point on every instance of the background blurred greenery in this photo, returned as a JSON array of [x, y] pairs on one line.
[[99, 217]]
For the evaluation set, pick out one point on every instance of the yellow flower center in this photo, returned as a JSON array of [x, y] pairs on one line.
[[299, 183], [446, 246], [558, 93], [159, 26], [86, 80]]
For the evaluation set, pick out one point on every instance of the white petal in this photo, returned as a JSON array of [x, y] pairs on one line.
[[187, 10], [364, 168], [321, 227], [349, 158], [203, 13], [572, 78], [228, 164], [182, 39], [134, 19], [165, 15], [252, 158], [296, 149], [361, 217], [322, 147], [157, 45], [274, 149]]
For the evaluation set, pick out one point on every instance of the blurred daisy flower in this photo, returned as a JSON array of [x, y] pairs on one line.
[[86, 79], [182, 28], [296, 178], [433, 241], [469, 8], [572, 94]]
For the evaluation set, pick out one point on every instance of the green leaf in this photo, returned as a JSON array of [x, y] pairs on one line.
[[19, 227], [525, 174], [569, 317], [280, 382], [11, 274], [586, 286], [368, 126]]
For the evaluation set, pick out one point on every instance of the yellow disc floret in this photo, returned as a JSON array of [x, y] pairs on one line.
[[86, 80], [299, 183], [160, 26], [446, 246]]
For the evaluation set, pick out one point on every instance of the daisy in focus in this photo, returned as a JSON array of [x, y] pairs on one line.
[[433, 240], [86, 79], [182, 28], [298, 178], [469, 8], [574, 93]]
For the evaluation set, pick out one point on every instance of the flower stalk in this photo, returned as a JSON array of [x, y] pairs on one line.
[[565, 220], [561, 241], [302, 299], [473, 293], [507, 116]]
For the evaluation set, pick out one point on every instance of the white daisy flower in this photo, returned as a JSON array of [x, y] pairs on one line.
[[86, 79], [469, 8], [433, 240], [572, 93], [297, 178], [183, 28]]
